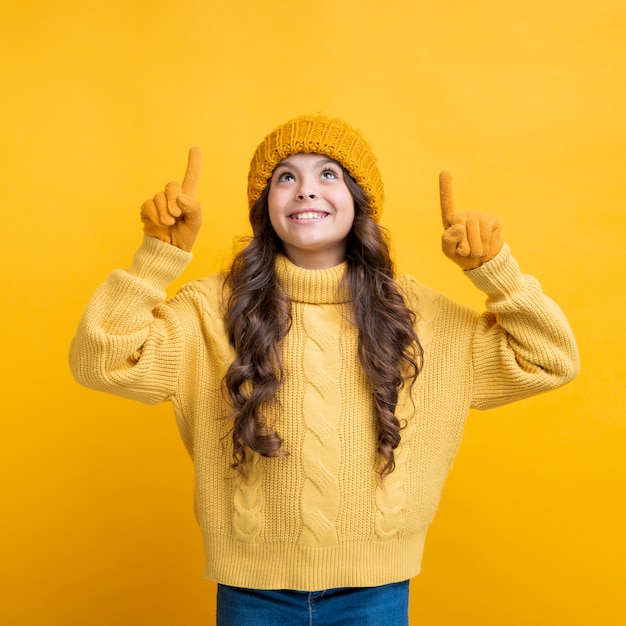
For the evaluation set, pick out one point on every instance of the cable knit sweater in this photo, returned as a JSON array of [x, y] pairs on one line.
[[319, 517]]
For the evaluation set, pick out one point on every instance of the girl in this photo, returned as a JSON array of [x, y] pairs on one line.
[[321, 398]]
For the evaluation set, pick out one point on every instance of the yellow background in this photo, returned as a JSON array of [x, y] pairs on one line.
[[523, 100]]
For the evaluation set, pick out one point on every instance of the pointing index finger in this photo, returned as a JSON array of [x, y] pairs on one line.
[[446, 198], [192, 174]]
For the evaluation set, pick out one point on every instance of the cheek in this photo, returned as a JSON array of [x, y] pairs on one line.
[[274, 214], [272, 205], [348, 206]]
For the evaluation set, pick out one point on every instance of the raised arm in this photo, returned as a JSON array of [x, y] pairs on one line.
[[129, 342]]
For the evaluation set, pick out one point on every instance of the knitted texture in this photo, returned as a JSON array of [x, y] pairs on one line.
[[320, 517], [321, 135], [321, 411]]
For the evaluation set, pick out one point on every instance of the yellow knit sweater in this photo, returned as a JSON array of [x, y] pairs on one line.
[[320, 517]]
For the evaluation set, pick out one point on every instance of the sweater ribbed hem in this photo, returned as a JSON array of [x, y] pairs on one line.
[[290, 566], [499, 276], [159, 263]]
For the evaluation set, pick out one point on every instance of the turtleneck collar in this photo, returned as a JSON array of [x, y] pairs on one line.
[[312, 286]]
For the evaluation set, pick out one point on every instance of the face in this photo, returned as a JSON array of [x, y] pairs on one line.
[[311, 210]]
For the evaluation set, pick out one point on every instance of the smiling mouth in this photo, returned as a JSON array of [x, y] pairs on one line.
[[308, 216]]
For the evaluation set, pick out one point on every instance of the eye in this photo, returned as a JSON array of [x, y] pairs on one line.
[[329, 174], [286, 177]]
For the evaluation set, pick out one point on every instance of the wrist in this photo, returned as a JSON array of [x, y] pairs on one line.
[[159, 262]]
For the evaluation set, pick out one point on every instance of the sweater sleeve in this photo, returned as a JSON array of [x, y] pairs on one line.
[[523, 344], [127, 342]]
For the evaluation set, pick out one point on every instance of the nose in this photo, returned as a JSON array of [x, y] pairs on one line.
[[306, 190]]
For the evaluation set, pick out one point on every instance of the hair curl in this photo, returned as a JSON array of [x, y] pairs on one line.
[[258, 319]]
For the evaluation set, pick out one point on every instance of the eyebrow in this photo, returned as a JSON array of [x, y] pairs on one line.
[[322, 161]]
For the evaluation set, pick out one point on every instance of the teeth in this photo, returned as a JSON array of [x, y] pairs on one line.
[[309, 215]]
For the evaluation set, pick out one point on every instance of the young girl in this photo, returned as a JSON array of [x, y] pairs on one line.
[[321, 398]]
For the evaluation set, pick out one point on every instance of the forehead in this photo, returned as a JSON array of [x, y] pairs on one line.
[[306, 159]]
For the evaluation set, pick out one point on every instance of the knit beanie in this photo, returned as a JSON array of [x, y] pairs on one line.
[[321, 135]]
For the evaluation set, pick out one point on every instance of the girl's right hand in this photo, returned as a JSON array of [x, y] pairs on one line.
[[174, 215]]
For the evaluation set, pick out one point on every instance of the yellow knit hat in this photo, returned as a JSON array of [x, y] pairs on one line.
[[321, 135]]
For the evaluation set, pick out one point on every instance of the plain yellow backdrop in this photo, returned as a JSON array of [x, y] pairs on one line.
[[525, 101]]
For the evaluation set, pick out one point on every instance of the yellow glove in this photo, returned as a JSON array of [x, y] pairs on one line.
[[174, 215], [470, 238]]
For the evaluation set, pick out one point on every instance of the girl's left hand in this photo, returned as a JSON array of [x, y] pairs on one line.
[[470, 238]]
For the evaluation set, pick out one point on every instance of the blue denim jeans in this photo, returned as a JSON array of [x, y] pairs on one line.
[[362, 606]]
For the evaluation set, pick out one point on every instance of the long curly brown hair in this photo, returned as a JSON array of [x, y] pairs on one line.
[[258, 319]]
